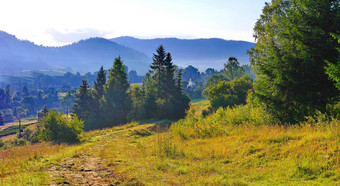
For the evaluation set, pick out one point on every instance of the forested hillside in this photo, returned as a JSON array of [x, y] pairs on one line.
[[273, 122]]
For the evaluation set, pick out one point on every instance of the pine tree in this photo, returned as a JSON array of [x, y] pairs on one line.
[[115, 103]]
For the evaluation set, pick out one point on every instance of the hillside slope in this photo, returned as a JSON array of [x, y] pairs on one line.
[[148, 154]]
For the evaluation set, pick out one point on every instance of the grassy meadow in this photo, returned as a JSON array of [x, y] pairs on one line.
[[221, 149]]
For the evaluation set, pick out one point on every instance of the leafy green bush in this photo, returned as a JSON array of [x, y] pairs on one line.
[[1, 143], [30, 135], [219, 123], [227, 94], [18, 142], [58, 127]]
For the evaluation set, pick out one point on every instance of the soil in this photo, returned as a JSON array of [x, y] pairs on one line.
[[81, 169]]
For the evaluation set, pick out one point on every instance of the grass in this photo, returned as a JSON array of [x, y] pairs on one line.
[[144, 154]]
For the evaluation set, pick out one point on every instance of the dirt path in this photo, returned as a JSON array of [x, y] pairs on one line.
[[81, 169]]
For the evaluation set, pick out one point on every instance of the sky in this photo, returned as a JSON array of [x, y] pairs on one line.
[[60, 22]]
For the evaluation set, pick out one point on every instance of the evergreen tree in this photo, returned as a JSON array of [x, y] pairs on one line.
[[158, 68], [181, 100], [116, 103], [163, 98], [2, 119], [333, 69], [25, 91], [99, 83], [150, 95], [293, 44], [83, 105], [8, 99]]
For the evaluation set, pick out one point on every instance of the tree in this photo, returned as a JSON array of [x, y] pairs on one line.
[[99, 83], [116, 102], [83, 105], [232, 69], [8, 100], [293, 43], [158, 69], [137, 98], [57, 127], [333, 69], [163, 81], [2, 119], [25, 91], [228, 94], [67, 101], [181, 101], [150, 95]]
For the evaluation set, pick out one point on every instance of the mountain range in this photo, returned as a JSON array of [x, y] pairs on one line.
[[20, 57]]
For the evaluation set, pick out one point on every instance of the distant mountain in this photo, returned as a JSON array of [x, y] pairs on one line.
[[202, 53], [18, 57]]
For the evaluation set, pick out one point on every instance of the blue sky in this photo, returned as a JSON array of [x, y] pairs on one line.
[[60, 22]]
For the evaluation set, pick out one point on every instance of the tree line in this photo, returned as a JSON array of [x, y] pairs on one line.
[[112, 102]]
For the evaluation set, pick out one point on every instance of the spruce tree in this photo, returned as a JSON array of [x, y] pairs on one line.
[[181, 99], [164, 98], [150, 95], [99, 83], [115, 103], [293, 44], [83, 105]]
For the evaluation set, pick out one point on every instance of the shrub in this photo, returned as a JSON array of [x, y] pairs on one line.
[[30, 135], [1, 143], [18, 142], [59, 128], [219, 123]]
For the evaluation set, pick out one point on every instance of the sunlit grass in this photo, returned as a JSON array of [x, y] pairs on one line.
[[245, 154]]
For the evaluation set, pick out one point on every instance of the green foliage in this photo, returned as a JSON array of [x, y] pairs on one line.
[[232, 69], [161, 95], [67, 101], [30, 135], [219, 123], [99, 83], [84, 106], [227, 94], [116, 103], [1, 143], [58, 127], [293, 43], [333, 69]]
